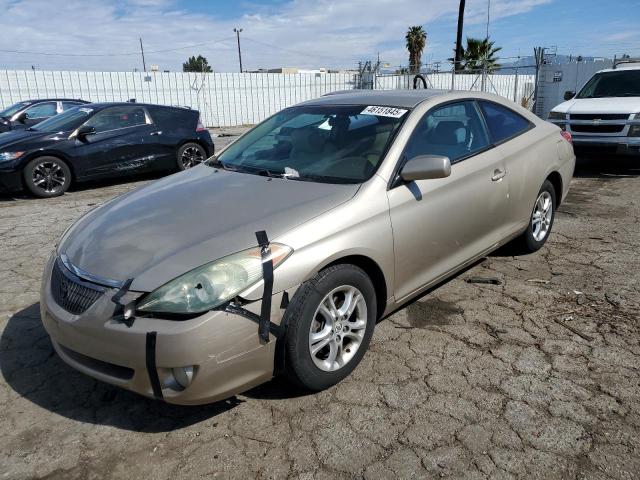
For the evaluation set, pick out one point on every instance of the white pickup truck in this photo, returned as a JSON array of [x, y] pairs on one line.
[[605, 112]]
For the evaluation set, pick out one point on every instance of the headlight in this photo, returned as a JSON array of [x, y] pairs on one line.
[[211, 285], [4, 156], [557, 116]]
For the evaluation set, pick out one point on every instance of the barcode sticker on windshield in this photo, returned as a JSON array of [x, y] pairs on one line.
[[384, 111]]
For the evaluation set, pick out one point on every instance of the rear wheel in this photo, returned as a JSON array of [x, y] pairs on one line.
[[541, 220], [47, 176], [190, 155], [330, 323]]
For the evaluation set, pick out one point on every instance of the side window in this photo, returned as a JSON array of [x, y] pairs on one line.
[[454, 130], [67, 105], [503, 122], [117, 117], [42, 110]]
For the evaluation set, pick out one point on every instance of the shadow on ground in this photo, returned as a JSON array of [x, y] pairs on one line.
[[594, 164], [31, 367]]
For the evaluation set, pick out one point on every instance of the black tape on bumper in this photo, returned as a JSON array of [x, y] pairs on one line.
[[267, 275], [152, 370], [119, 311]]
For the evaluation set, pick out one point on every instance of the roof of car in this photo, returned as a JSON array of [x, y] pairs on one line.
[[384, 98], [40, 100], [129, 104]]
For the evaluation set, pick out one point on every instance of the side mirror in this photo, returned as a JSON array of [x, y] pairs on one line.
[[22, 117], [426, 167], [568, 95], [85, 130]]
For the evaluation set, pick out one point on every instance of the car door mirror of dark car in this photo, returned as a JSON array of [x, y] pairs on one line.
[[568, 95], [426, 167], [22, 117], [85, 130]]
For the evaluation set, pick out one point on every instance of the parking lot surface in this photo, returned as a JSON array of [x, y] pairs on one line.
[[536, 377]]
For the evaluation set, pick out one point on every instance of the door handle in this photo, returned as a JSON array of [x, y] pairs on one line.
[[498, 173], [153, 134]]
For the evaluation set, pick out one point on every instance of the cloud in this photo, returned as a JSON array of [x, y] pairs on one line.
[[305, 33]]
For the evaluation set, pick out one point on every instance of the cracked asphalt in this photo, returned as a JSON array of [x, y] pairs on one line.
[[537, 377]]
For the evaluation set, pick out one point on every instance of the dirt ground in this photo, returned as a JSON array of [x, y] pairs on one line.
[[535, 378]]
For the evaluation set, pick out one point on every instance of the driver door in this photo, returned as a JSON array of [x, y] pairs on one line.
[[440, 224]]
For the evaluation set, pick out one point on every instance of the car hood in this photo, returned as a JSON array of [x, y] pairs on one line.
[[162, 230], [17, 137], [600, 105]]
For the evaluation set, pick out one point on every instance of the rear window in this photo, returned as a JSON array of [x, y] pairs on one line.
[[503, 122], [174, 117]]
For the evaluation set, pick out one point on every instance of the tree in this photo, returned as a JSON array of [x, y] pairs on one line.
[[416, 41], [459, 49], [198, 64], [480, 54]]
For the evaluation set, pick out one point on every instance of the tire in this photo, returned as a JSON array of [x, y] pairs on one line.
[[347, 336], [538, 231], [189, 155], [47, 177]]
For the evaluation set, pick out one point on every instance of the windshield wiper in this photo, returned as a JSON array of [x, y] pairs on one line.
[[306, 177]]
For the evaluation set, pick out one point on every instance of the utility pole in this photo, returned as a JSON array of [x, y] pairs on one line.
[[144, 65], [238, 30], [458, 56]]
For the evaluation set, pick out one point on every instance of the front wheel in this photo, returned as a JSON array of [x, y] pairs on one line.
[[47, 177], [190, 155], [541, 220], [330, 323]]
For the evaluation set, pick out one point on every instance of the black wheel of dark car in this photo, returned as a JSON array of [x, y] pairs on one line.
[[330, 323], [47, 176], [190, 155], [541, 220]]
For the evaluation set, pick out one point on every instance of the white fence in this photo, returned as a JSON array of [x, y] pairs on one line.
[[226, 99], [513, 86], [223, 99]]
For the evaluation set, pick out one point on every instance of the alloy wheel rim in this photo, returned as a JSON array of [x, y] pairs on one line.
[[49, 177], [338, 327], [191, 157], [542, 216]]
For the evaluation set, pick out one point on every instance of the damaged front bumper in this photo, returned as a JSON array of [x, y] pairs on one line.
[[222, 351]]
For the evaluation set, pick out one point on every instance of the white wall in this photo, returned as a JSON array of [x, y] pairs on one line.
[[223, 99]]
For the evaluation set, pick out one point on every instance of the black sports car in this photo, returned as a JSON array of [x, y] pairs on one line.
[[101, 140], [29, 112]]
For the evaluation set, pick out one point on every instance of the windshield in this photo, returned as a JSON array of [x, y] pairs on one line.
[[329, 143], [624, 83], [7, 112], [69, 120]]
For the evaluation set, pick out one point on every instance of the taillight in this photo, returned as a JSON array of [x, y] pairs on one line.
[[567, 136], [200, 126]]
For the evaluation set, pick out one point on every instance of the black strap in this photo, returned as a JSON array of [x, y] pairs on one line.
[[118, 312], [151, 364], [267, 275]]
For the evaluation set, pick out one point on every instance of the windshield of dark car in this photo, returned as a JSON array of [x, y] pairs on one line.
[[69, 120], [7, 112], [328, 143], [623, 83]]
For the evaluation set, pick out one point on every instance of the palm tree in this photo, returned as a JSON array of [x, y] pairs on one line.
[[479, 54], [416, 41]]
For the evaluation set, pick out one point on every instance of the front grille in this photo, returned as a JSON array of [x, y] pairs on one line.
[[599, 116], [72, 293], [597, 128]]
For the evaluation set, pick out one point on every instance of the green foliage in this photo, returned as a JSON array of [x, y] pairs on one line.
[[480, 54], [416, 41], [196, 64]]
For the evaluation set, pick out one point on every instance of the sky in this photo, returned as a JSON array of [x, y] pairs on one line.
[[104, 34]]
